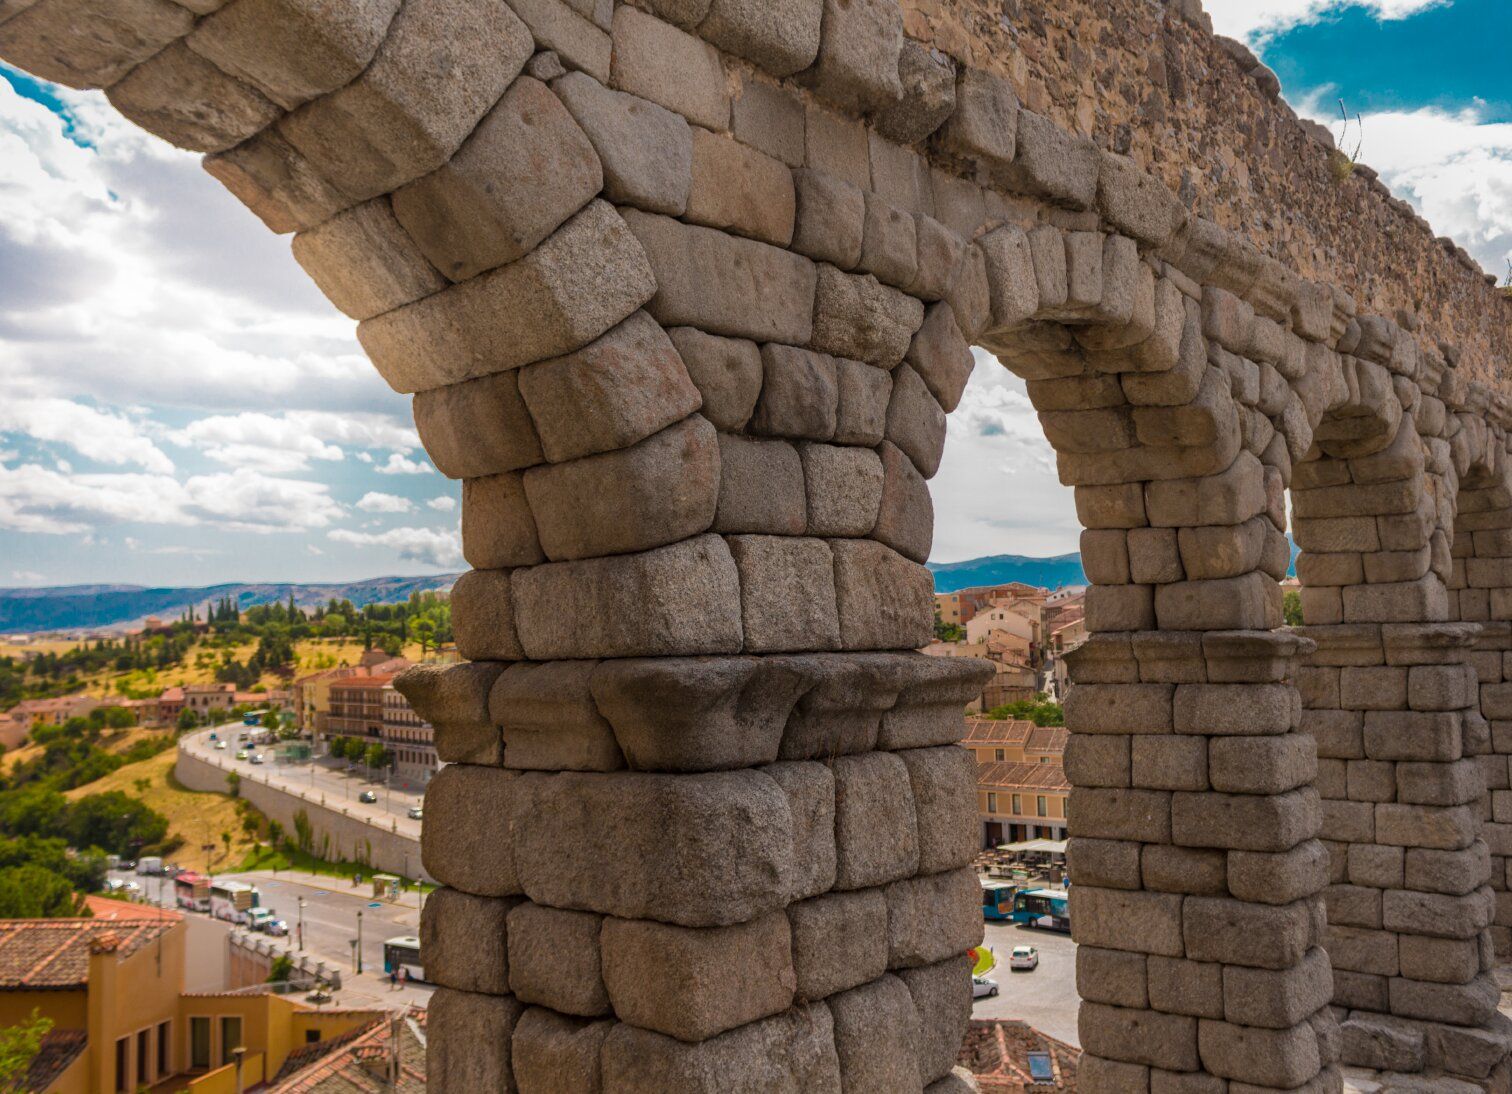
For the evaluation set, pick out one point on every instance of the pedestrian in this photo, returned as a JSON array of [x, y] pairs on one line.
[[403, 977], [393, 979]]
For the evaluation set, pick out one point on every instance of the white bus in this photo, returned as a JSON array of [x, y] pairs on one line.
[[232, 900]]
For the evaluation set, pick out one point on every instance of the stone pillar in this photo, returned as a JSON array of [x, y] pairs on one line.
[[1394, 708], [1197, 873]]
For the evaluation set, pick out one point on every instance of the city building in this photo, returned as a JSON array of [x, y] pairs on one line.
[[53, 712], [1007, 1056], [371, 708], [114, 988], [205, 699], [1021, 781], [961, 606]]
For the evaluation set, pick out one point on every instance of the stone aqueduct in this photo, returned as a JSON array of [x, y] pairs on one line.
[[685, 290]]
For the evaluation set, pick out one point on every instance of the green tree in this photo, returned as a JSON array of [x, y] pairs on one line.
[[1291, 608], [35, 892], [114, 821], [949, 632], [186, 719], [119, 718], [233, 784], [377, 756], [282, 969], [270, 721], [19, 1045]]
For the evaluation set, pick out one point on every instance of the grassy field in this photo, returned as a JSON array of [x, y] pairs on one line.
[[199, 665], [196, 818]]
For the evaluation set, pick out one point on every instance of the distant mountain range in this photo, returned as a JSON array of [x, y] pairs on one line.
[[83, 607], [1048, 573]]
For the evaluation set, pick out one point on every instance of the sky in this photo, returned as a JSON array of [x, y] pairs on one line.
[[183, 407]]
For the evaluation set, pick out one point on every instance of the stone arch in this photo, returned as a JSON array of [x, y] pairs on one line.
[[684, 291]]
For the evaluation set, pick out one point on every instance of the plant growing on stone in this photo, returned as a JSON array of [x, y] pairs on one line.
[[1344, 159]]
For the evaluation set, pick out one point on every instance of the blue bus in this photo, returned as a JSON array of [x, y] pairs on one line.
[[1048, 908], [997, 899]]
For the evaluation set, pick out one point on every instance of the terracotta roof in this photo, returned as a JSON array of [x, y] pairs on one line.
[[364, 682], [1047, 739], [357, 1062], [997, 1052], [104, 908], [993, 731], [63, 702], [171, 694], [59, 1049], [54, 953], [1025, 776]]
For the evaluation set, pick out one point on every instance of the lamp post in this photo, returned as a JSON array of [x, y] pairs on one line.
[[359, 943], [300, 928]]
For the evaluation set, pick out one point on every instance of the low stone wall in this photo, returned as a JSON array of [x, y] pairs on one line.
[[337, 834], [252, 958]]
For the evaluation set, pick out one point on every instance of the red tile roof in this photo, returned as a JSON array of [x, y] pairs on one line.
[[59, 1049], [997, 1053], [358, 1061], [982, 732], [1047, 739], [1011, 776], [104, 907], [54, 953]]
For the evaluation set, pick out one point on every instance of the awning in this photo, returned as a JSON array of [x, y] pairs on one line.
[[1052, 846]]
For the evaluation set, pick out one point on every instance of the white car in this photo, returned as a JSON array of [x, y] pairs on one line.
[[257, 757], [983, 988], [416, 813], [1024, 957], [220, 745]]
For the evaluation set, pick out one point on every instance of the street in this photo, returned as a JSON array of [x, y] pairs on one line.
[[325, 780], [1045, 998]]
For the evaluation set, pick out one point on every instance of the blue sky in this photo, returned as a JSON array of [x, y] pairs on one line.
[[184, 407]]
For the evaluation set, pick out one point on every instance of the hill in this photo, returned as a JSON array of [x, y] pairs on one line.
[[1049, 573], [78, 607]]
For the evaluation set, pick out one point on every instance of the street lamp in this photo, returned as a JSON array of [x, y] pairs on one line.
[[300, 928], [359, 943]]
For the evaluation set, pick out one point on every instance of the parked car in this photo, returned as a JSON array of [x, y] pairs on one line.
[[127, 864], [241, 753], [416, 813], [257, 757], [220, 746], [367, 796], [983, 988], [266, 920], [1025, 958]]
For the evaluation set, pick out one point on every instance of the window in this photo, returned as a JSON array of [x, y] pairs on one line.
[[164, 1047], [1001, 755], [199, 1042], [122, 1076], [992, 803], [144, 1056], [1016, 808], [231, 1037], [312, 1036], [1039, 806]]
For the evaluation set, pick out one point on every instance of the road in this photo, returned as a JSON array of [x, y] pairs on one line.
[[1045, 998], [325, 780]]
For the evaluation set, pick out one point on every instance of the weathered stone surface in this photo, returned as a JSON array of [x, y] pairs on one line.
[[632, 605], [577, 31], [554, 959], [656, 61], [364, 262], [876, 837], [498, 530], [695, 850], [915, 422], [477, 428], [1146, 1037], [839, 941], [725, 285], [468, 1040], [524, 171], [189, 102], [761, 487], [467, 845], [864, 395], [738, 189], [943, 781], [928, 78], [792, 1053], [295, 50], [483, 617], [443, 64], [588, 276], [831, 218], [857, 317], [781, 37], [941, 356], [984, 126], [550, 1052], [841, 712], [727, 373], [770, 118], [877, 1036], [655, 492], [890, 243], [694, 983], [786, 593], [1051, 163], [905, 519], [844, 487], [454, 700], [857, 66], [800, 395], [622, 388], [464, 941], [549, 721], [942, 997], [1136, 202], [810, 791], [885, 601], [645, 150], [89, 43], [933, 917], [275, 182]]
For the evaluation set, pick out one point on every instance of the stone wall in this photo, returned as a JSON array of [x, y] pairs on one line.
[[1204, 116], [338, 835]]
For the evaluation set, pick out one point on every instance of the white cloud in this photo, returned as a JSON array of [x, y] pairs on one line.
[[442, 504], [289, 441], [400, 465], [428, 545], [37, 499], [376, 502], [28, 577], [1242, 18], [94, 434]]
